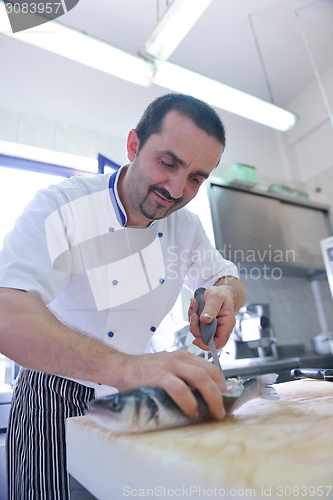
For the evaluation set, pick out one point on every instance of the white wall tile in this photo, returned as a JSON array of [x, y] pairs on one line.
[[107, 145], [35, 131], [38, 131], [8, 125], [71, 139]]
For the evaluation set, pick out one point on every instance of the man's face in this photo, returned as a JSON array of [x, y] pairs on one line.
[[167, 172]]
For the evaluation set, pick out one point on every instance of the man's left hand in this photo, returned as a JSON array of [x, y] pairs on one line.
[[222, 301]]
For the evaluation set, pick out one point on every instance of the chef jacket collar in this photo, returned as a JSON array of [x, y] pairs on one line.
[[117, 205]]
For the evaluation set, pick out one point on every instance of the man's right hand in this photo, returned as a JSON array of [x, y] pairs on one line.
[[175, 372]]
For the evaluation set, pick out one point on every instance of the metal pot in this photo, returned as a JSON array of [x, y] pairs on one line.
[[323, 343]]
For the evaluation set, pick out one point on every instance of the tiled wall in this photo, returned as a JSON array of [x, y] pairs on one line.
[[41, 132], [293, 312]]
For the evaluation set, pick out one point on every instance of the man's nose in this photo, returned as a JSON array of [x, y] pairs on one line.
[[176, 184]]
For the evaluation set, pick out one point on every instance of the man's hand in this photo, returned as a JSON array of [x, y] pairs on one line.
[[222, 301], [38, 340], [175, 372]]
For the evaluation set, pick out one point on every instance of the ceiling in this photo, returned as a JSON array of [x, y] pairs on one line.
[[221, 45]]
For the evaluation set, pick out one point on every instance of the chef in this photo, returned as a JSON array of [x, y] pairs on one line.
[[89, 271]]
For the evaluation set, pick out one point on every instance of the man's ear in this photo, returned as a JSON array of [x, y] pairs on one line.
[[132, 144]]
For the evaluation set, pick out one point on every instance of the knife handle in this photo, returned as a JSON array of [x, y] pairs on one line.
[[207, 330]]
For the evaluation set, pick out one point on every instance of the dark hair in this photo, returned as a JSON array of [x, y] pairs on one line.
[[196, 110]]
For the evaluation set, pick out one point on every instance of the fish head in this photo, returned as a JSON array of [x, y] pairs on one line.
[[127, 411]]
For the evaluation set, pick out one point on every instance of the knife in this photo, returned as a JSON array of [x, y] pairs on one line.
[[316, 373], [207, 330]]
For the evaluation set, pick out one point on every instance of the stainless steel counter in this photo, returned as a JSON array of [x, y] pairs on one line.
[[254, 367]]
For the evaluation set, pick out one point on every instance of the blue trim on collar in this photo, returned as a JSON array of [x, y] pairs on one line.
[[119, 213]]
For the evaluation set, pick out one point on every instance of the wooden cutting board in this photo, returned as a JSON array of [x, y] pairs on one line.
[[271, 447]]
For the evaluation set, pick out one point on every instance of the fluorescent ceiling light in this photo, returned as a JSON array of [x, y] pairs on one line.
[[84, 49], [48, 156], [217, 94], [104, 57], [175, 23]]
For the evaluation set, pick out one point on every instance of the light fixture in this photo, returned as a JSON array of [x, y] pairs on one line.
[[48, 156], [84, 49], [178, 79], [173, 26]]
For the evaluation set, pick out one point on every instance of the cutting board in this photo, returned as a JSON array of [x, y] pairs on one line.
[[275, 449]]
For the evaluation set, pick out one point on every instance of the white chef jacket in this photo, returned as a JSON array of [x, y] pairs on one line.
[[70, 248]]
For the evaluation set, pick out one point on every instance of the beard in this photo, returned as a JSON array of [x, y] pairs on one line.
[[159, 211]]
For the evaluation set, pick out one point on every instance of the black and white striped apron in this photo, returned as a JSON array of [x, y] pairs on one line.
[[36, 446]]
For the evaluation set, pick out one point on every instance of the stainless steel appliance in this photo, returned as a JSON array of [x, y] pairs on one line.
[[252, 337], [287, 236]]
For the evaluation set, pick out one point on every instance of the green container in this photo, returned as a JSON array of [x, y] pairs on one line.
[[238, 174], [279, 188]]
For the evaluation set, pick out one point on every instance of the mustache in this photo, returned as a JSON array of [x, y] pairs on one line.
[[164, 193]]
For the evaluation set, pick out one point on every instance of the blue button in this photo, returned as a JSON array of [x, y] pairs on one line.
[[153, 329], [114, 282], [111, 229], [160, 235], [110, 334], [162, 281]]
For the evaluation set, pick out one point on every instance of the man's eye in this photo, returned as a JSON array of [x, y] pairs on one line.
[[168, 165], [196, 180]]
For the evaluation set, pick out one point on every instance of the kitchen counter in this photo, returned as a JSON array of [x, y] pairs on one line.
[[282, 366], [274, 449]]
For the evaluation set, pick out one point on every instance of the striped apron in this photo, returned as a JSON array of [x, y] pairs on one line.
[[36, 445]]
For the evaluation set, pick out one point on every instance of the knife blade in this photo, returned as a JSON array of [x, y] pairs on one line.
[[207, 330], [316, 373]]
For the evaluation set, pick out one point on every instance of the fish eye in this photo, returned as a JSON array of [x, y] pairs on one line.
[[116, 404]]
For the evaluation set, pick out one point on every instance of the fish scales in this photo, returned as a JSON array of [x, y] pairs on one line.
[[151, 408]]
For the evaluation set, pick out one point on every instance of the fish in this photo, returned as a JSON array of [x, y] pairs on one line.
[[151, 408]]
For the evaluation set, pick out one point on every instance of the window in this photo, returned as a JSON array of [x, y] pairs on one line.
[[17, 188]]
